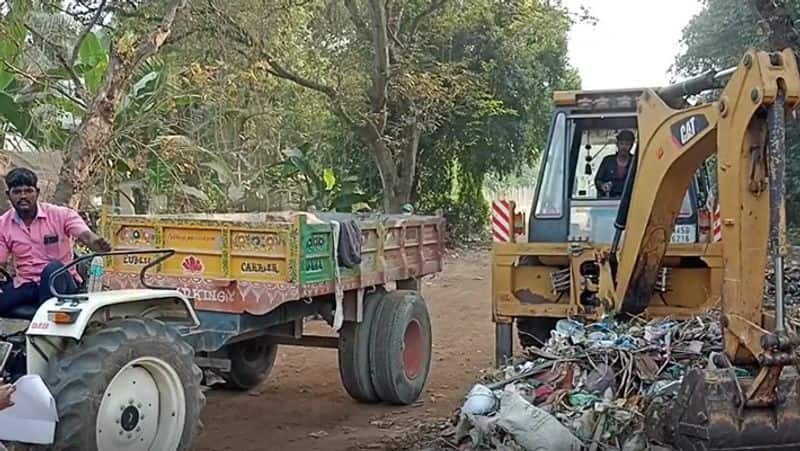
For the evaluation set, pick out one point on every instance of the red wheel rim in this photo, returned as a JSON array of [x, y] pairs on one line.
[[413, 351]]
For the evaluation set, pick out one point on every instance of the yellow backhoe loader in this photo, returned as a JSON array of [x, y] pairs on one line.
[[640, 253]]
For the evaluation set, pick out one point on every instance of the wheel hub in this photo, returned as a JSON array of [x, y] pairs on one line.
[[413, 351], [142, 408], [130, 418]]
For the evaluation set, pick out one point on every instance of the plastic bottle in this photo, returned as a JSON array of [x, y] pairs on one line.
[[572, 329], [96, 271]]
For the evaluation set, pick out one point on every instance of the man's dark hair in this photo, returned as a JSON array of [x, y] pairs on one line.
[[19, 177], [626, 135]]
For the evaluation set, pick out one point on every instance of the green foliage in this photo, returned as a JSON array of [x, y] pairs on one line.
[[37, 93], [517, 56], [717, 38], [92, 62], [466, 210], [323, 189], [207, 126]]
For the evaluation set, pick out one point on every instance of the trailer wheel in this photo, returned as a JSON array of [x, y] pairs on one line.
[[535, 331], [401, 347], [251, 362], [131, 385], [354, 358]]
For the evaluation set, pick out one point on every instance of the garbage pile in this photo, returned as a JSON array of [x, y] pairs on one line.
[[588, 387]]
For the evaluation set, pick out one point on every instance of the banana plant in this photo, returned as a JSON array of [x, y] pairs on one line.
[[15, 116], [324, 190], [39, 102]]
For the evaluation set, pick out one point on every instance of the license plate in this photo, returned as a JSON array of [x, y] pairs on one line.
[[684, 234]]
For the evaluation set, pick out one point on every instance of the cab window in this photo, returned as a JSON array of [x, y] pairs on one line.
[[550, 203], [596, 145]]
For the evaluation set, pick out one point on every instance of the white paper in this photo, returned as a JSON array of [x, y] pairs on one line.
[[33, 417]]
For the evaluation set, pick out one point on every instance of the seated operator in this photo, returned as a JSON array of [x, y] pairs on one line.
[[610, 178], [40, 237]]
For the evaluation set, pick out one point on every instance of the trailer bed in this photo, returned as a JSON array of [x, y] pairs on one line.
[[254, 262]]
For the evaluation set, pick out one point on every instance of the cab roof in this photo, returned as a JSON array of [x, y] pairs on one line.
[[599, 100]]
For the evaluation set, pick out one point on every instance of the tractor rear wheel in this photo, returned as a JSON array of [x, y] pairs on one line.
[[251, 362], [129, 385], [354, 357], [400, 350]]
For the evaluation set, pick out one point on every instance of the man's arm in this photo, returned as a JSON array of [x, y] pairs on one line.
[[76, 227], [5, 250], [94, 241], [600, 177]]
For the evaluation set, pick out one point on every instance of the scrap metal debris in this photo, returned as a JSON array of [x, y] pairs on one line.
[[791, 281], [591, 386]]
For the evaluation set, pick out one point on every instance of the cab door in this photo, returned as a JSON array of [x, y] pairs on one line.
[[549, 218]]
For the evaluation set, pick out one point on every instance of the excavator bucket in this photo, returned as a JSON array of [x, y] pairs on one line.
[[710, 413]]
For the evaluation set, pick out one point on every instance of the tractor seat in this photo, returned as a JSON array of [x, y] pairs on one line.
[[24, 311]]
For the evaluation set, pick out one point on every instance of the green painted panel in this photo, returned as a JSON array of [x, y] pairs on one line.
[[316, 253]]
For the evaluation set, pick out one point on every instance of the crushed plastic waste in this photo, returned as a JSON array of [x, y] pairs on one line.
[[480, 401], [527, 425], [590, 386]]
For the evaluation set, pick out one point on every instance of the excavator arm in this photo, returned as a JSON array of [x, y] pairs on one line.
[[675, 143], [745, 130]]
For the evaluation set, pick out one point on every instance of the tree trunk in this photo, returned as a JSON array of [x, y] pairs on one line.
[[392, 203], [141, 203], [4, 167], [97, 128], [397, 177]]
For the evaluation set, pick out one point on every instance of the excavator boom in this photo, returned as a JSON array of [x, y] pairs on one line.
[[745, 130]]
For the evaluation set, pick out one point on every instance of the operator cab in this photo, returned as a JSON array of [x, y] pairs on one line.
[[568, 206]]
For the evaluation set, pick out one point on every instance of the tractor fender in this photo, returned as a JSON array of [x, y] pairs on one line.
[[168, 305]]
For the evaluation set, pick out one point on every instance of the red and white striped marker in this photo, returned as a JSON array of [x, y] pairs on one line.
[[502, 211], [716, 219], [716, 225]]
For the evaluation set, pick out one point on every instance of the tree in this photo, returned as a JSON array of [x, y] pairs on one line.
[[518, 54], [389, 102], [721, 33], [392, 72], [89, 84]]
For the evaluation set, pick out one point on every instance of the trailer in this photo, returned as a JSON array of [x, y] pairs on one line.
[[256, 278]]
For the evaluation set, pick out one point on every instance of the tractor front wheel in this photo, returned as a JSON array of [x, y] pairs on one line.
[[129, 385]]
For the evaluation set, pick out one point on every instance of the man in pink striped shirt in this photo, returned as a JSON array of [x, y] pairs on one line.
[[40, 238]]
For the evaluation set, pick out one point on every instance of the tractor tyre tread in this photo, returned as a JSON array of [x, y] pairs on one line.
[[242, 376], [386, 353], [354, 354], [79, 377]]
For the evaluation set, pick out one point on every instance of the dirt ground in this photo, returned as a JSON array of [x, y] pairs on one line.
[[304, 407]]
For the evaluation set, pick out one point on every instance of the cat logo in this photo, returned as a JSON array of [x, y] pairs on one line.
[[685, 130]]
